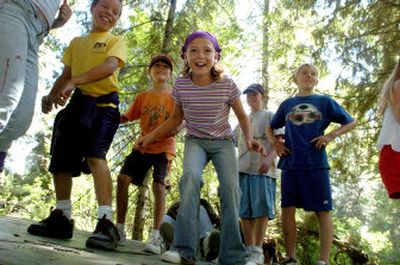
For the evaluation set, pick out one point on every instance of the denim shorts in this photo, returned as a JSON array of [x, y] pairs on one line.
[[258, 196], [72, 143], [137, 165], [307, 189]]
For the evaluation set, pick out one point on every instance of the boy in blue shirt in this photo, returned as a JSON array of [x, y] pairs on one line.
[[305, 169]]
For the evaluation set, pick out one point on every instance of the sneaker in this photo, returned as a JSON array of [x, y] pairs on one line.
[[122, 235], [211, 245], [153, 243], [174, 257], [57, 225], [167, 234], [105, 236], [257, 255], [289, 261], [322, 262]]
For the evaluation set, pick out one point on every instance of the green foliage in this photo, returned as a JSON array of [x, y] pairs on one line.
[[347, 39]]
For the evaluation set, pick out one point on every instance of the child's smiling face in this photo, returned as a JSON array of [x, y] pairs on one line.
[[201, 56], [105, 14]]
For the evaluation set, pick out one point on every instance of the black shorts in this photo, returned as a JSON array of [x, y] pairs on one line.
[[137, 164], [73, 142]]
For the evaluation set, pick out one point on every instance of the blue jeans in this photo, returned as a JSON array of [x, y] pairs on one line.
[[196, 155], [21, 34]]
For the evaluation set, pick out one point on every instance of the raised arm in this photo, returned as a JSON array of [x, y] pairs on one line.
[[64, 14]]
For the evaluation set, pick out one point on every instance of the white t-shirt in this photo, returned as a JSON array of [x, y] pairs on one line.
[[390, 132]]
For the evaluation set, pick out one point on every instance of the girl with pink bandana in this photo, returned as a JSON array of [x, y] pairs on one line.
[[203, 97]]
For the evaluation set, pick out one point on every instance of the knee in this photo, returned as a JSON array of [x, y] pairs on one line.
[[123, 181], [158, 187]]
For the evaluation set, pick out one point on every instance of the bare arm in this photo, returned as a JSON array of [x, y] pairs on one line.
[[277, 145], [64, 14], [164, 129], [396, 100], [323, 140], [95, 74], [245, 125]]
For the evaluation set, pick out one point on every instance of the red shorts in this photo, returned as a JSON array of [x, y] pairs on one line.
[[389, 167]]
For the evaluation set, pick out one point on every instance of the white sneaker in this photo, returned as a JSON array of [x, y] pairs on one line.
[[174, 257], [171, 256], [122, 235], [153, 244], [258, 255], [322, 263]]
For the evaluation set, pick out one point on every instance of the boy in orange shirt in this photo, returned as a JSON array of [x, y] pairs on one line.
[[152, 107]]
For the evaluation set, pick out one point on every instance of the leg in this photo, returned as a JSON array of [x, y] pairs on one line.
[[18, 74], [224, 159], [159, 204], [248, 227], [63, 185], [289, 230], [195, 158], [325, 234], [123, 183], [259, 230], [102, 180]]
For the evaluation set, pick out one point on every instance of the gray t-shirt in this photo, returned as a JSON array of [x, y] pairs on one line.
[[249, 162]]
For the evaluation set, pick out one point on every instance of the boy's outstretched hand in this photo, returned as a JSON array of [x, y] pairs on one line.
[[64, 14]]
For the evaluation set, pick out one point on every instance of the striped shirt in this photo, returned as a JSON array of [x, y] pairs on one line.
[[48, 8], [206, 109]]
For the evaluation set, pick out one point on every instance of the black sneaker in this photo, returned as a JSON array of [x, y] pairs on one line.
[[211, 245], [57, 225], [289, 261], [105, 236]]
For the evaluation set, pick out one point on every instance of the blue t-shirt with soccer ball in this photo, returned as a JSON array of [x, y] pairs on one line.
[[305, 118]]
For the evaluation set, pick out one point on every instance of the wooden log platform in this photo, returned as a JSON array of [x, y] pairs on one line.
[[18, 247]]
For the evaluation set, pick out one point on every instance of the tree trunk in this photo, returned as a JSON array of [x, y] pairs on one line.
[[265, 54], [169, 26], [140, 211]]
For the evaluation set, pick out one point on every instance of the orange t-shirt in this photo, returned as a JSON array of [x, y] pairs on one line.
[[153, 108]]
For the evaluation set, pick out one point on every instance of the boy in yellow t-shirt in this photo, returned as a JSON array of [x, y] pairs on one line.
[[152, 107], [84, 129]]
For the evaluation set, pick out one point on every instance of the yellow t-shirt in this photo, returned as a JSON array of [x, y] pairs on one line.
[[89, 51]]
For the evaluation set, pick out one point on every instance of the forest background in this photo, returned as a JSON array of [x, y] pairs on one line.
[[353, 43]]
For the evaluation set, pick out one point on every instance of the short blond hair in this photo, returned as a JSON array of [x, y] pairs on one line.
[[296, 72]]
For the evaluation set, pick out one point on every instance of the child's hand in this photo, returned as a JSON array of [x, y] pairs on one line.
[[64, 14], [264, 167], [47, 104], [280, 148], [66, 92], [322, 141], [143, 142], [266, 163]]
